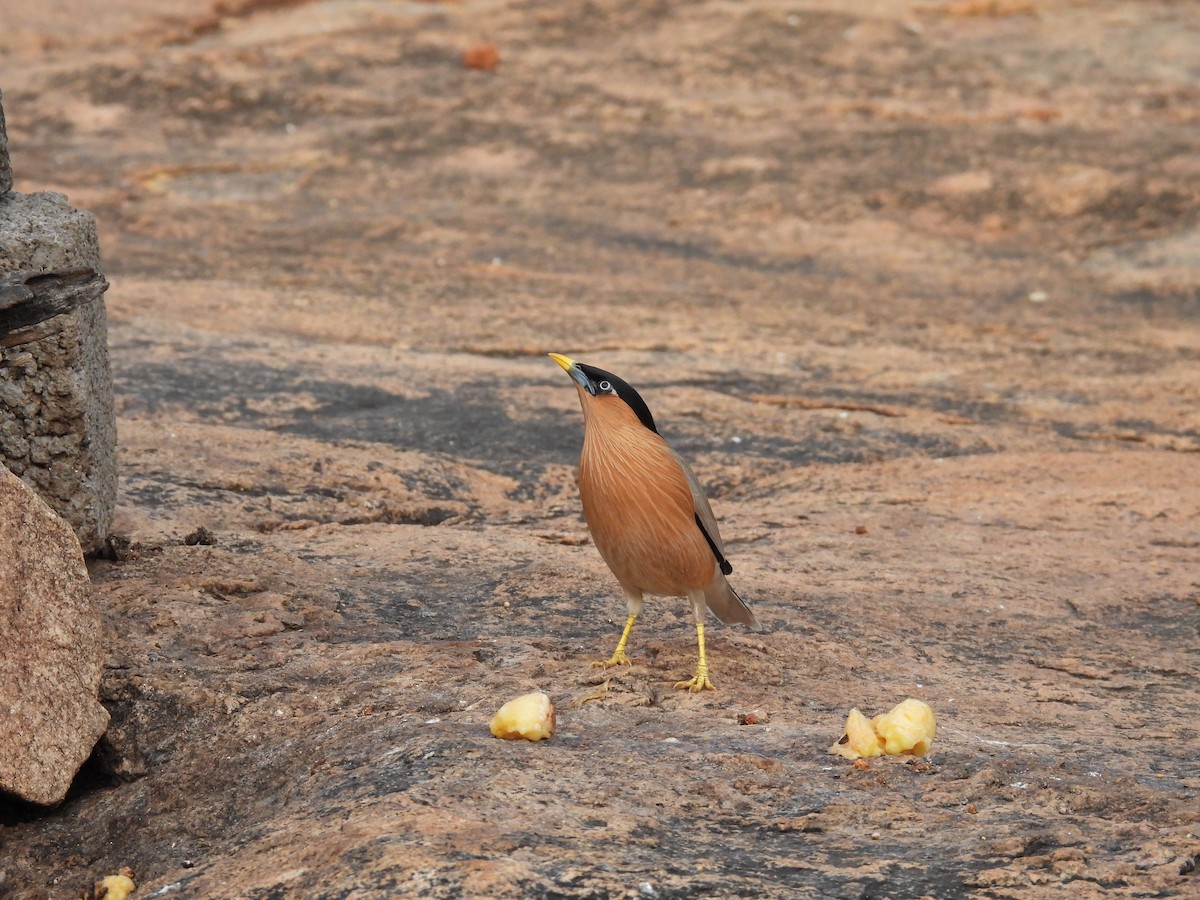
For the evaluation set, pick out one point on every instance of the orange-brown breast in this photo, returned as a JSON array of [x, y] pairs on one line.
[[638, 505]]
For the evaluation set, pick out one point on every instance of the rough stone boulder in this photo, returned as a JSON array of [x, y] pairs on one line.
[[6, 181], [52, 650]]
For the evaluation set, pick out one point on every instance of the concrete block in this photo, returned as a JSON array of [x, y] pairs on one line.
[[57, 424]]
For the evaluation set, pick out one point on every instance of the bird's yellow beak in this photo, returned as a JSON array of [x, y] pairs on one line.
[[565, 361], [574, 371]]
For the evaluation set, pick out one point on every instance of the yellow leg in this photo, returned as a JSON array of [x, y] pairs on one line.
[[700, 681], [618, 658]]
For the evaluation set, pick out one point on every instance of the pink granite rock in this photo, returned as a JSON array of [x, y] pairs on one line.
[[52, 659]]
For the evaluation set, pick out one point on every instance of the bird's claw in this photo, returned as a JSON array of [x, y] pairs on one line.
[[617, 659], [698, 682]]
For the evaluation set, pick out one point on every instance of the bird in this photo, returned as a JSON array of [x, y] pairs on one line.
[[647, 513]]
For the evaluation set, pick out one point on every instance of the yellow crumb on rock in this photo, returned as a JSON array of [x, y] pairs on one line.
[[114, 887], [529, 717], [908, 727]]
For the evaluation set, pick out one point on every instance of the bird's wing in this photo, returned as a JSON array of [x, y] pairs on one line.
[[725, 603], [705, 520]]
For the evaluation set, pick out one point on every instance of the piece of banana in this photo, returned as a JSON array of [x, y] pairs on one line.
[[529, 717], [908, 727]]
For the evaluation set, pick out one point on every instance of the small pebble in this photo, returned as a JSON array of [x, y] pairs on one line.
[[752, 718], [482, 56]]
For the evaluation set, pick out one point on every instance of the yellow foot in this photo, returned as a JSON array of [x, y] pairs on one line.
[[699, 682], [617, 659]]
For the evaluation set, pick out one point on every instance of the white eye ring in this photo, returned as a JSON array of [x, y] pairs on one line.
[[604, 386]]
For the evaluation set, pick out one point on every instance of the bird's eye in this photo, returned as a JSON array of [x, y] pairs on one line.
[[605, 386]]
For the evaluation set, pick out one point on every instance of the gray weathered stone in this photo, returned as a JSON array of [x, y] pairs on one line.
[[57, 426], [6, 181], [43, 234], [50, 717]]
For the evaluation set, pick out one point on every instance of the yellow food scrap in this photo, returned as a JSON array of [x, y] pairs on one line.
[[529, 717], [859, 740], [909, 727], [114, 887]]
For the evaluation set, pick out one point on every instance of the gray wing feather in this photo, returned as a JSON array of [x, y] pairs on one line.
[[725, 603], [703, 511]]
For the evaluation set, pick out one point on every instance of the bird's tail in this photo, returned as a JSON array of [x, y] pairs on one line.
[[727, 606]]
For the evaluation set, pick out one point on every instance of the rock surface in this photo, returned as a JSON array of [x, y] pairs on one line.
[[57, 421], [908, 285], [50, 717]]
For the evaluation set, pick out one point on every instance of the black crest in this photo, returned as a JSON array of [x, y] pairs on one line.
[[623, 390]]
